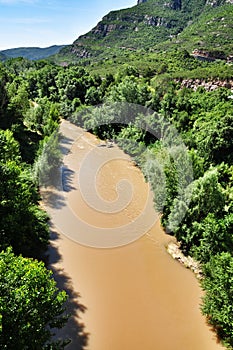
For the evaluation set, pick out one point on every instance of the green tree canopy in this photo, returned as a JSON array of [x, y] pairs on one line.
[[30, 304], [22, 223], [218, 300]]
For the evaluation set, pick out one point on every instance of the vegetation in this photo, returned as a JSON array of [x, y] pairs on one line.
[[34, 95], [211, 32], [218, 298], [2, 57], [204, 120], [31, 53], [30, 304], [155, 26]]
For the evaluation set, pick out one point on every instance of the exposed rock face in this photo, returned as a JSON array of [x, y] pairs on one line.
[[210, 85], [156, 21], [105, 29], [174, 4], [209, 55], [215, 3], [212, 3], [150, 20]]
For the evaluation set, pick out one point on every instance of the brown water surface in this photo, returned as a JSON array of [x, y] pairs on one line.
[[137, 296]]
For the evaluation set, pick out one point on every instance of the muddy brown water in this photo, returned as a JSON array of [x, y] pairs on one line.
[[137, 297]]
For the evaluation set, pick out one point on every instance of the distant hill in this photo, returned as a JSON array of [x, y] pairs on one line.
[[2, 57], [32, 53], [154, 25]]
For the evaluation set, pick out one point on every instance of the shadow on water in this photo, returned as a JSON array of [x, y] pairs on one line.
[[65, 144], [53, 199], [53, 195], [74, 329], [67, 176], [66, 173]]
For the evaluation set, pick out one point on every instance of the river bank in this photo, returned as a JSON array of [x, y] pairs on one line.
[[173, 248], [136, 296]]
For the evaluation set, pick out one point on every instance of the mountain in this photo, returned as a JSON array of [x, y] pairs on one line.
[[32, 53], [211, 32], [153, 25], [2, 57]]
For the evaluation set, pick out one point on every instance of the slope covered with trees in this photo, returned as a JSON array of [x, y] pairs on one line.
[[156, 25]]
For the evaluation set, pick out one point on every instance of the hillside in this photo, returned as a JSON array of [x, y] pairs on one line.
[[2, 57], [32, 53], [212, 32], [148, 25]]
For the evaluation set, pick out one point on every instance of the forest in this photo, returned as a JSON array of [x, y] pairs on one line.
[[34, 97]]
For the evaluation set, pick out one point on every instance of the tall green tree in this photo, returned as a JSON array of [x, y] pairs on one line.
[[23, 224], [202, 197], [218, 299], [31, 305]]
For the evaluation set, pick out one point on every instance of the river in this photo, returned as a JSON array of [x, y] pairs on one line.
[[136, 296]]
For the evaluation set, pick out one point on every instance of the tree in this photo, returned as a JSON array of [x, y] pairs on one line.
[[30, 304], [128, 90], [9, 147], [18, 100], [202, 197], [218, 299], [23, 224], [214, 138], [43, 117], [3, 96], [214, 237], [92, 96], [46, 167]]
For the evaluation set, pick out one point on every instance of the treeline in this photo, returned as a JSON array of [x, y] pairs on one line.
[[31, 305], [33, 98]]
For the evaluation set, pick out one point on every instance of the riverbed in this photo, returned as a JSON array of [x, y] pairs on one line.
[[136, 296]]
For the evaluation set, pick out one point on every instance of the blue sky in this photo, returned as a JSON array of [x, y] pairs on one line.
[[44, 23]]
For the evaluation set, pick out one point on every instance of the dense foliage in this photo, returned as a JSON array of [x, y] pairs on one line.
[[33, 97], [204, 120], [157, 38], [30, 304]]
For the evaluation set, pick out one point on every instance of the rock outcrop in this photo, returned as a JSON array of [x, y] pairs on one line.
[[174, 250], [156, 21], [210, 85], [105, 29], [174, 4]]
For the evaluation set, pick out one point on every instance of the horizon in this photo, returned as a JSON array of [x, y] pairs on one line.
[[33, 47], [39, 24]]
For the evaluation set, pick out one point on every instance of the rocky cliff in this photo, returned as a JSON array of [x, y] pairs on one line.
[[178, 4], [208, 85], [152, 22]]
